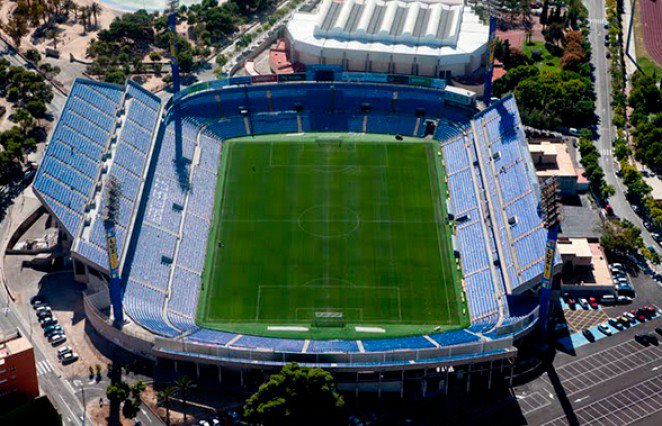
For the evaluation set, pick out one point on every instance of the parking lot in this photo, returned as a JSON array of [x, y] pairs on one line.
[[595, 369], [622, 408]]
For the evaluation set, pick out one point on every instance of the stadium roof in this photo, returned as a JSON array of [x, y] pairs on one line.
[[435, 28], [105, 131]]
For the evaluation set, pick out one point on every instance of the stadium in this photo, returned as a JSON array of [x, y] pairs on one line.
[[352, 221]]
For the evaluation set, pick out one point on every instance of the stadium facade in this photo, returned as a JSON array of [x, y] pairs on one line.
[[431, 38], [166, 157]]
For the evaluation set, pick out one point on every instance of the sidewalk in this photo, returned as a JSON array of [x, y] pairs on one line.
[[630, 66]]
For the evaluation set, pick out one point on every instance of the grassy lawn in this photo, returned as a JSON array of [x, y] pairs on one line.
[[548, 61], [304, 226]]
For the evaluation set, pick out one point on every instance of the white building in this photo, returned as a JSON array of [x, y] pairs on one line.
[[417, 37]]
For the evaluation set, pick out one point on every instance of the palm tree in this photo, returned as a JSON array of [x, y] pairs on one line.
[[184, 385], [164, 398], [68, 6], [94, 10], [83, 12], [52, 33]]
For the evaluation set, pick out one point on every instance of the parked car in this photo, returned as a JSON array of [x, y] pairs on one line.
[[625, 289], [69, 357], [642, 338], [583, 303], [608, 299], [38, 304], [57, 339], [624, 300], [638, 315], [593, 302], [604, 329], [48, 321], [53, 329], [44, 314], [572, 303], [41, 307], [37, 299], [653, 339], [615, 323], [645, 313], [589, 336], [616, 267], [658, 330], [650, 309], [624, 320], [62, 351]]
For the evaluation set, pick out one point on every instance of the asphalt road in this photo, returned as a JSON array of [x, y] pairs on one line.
[[49, 379], [606, 130], [7, 52]]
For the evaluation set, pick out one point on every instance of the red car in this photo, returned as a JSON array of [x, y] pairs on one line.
[[593, 302], [638, 315], [572, 303]]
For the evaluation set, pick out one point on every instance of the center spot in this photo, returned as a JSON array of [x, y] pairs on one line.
[[328, 222]]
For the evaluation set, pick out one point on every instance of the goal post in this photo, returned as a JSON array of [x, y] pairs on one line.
[[329, 141], [328, 319]]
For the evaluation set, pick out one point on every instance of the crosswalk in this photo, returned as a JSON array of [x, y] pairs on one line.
[[44, 367], [597, 21]]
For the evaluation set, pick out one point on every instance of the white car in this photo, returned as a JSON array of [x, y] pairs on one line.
[[69, 357], [604, 329], [62, 351], [615, 267], [583, 303]]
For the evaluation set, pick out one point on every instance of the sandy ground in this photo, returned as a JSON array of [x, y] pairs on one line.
[[5, 122], [72, 36]]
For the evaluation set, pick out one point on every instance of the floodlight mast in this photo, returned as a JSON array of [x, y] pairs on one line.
[[489, 64], [551, 211], [112, 201], [173, 7]]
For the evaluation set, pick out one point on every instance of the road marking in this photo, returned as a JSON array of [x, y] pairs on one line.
[[581, 399], [44, 367]]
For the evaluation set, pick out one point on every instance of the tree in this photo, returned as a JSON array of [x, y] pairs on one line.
[[16, 28], [544, 13], [23, 118], [33, 55], [296, 396], [117, 392], [131, 408], [553, 33], [95, 9], [164, 398], [620, 238], [184, 385]]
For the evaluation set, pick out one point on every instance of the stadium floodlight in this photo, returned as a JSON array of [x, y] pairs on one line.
[[112, 198], [173, 7], [551, 211]]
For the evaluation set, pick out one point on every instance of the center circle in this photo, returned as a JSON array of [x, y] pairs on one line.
[[328, 221]]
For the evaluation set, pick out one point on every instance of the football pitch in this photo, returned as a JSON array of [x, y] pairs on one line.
[[330, 236]]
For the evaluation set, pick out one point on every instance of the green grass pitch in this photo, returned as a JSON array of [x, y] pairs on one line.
[[348, 224]]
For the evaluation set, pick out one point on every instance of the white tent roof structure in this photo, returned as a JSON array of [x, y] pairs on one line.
[[406, 27]]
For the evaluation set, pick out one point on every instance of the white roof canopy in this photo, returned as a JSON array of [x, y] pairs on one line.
[[431, 23]]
